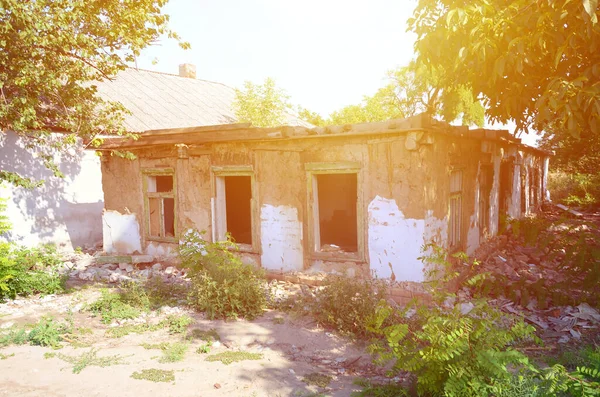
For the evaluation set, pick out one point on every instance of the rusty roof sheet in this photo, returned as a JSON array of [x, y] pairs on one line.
[[164, 101]]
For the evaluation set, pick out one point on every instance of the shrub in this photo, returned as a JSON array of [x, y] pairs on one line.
[[25, 271], [347, 304], [460, 350], [576, 189], [222, 286]]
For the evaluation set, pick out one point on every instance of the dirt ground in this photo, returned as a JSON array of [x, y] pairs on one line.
[[291, 349]]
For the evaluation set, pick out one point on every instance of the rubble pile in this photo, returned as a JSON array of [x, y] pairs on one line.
[[85, 268]]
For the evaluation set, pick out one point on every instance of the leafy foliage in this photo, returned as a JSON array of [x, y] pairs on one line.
[[52, 52], [411, 90], [222, 286], [262, 105], [537, 64], [458, 349], [580, 190], [25, 271]]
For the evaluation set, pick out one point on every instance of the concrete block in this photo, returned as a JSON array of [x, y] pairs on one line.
[[141, 259], [113, 259]]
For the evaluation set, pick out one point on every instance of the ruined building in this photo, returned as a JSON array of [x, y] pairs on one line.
[[353, 198]]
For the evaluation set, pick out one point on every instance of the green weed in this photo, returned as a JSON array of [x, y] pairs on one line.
[[233, 357], [222, 285], [154, 375], [89, 359], [173, 352], [204, 349], [178, 324], [6, 356]]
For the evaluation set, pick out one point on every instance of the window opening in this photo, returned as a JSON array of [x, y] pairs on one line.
[[238, 207], [337, 212], [160, 206]]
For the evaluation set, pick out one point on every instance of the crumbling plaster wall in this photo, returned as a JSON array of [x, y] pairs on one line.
[[403, 190]]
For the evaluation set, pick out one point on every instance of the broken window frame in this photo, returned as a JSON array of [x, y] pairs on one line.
[[455, 233], [312, 170], [149, 172], [219, 207]]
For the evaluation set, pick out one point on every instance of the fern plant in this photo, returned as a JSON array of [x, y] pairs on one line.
[[454, 350]]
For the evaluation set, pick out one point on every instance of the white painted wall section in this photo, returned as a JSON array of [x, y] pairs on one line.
[[395, 242], [121, 233], [281, 238], [473, 231]]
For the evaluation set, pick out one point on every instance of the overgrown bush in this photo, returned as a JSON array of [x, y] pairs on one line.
[[25, 271], [580, 190], [347, 304], [222, 286], [453, 347]]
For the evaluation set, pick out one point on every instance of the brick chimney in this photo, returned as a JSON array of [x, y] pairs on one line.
[[187, 70]]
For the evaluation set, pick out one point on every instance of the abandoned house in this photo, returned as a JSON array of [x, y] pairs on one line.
[[355, 198], [68, 211]]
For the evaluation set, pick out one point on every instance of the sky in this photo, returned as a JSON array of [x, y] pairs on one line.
[[326, 54]]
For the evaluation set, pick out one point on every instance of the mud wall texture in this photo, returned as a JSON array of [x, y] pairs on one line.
[[403, 195]]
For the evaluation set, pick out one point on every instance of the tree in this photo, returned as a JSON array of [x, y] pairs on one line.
[[536, 63], [52, 52], [411, 90], [262, 105]]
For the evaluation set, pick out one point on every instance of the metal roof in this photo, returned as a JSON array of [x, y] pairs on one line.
[[164, 101]]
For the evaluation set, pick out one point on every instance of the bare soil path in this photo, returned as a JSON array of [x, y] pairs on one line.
[[291, 348]]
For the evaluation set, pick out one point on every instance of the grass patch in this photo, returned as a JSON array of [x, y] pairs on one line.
[[154, 346], [154, 375], [208, 336], [176, 324], [172, 352], [317, 379], [89, 359], [278, 320], [113, 306], [5, 356], [233, 357]]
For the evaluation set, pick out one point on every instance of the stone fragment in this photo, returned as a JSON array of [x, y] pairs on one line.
[[170, 270], [157, 267]]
